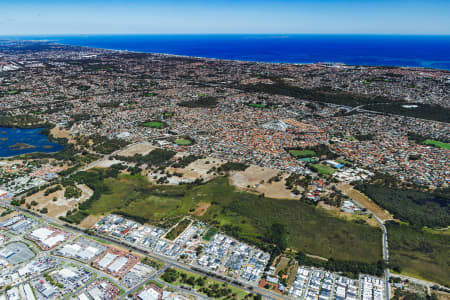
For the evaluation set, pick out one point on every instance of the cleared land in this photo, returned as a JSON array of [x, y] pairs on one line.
[[201, 209], [362, 199], [256, 179], [198, 169], [61, 205], [142, 148], [60, 133]]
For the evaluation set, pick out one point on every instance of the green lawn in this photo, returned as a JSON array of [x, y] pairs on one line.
[[209, 234], [183, 142], [302, 153], [344, 162], [420, 253], [154, 124], [323, 169], [258, 105], [437, 144]]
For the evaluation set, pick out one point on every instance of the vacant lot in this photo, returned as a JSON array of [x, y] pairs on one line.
[[256, 179], [362, 199], [141, 148], [61, 205]]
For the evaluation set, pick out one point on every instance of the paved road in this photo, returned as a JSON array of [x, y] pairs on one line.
[[145, 252], [385, 250]]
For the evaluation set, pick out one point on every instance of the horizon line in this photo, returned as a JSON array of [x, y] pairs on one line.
[[212, 33]]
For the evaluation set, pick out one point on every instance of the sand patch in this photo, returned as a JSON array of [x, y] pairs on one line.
[[89, 221], [348, 216], [197, 169], [10, 215], [104, 163], [362, 199], [143, 148], [256, 179], [58, 132], [59, 207]]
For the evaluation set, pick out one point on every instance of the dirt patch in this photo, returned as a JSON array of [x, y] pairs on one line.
[[348, 216], [362, 199], [89, 221], [57, 132], [256, 179], [12, 214], [142, 148], [61, 205], [442, 295], [198, 169], [104, 163], [201, 209]]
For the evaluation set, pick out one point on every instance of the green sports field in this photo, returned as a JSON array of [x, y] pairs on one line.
[[302, 153], [154, 124], [183, 142], [437, 144]]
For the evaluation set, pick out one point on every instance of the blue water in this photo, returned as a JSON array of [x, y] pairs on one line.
[[28, 136], [377, 50]]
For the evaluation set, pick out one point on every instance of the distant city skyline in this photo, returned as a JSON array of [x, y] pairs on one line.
[[51, 17]]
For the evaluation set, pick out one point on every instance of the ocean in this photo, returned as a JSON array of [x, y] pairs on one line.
[[375, 50]]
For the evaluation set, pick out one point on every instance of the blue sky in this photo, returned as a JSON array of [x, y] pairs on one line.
[[24, 17]]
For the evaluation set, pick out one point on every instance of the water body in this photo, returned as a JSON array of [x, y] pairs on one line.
[[375, 50], [15, 141]]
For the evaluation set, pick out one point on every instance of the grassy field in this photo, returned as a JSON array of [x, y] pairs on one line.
[[437, 144], [420, 253], [209, 234], [183, 142], [323, 169], [135, 196], [244, 215], [177, 230], [258, 105], [309, 229], [302, 153], [154, 124]]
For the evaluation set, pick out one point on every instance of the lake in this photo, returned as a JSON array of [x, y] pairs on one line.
[[16, 141]]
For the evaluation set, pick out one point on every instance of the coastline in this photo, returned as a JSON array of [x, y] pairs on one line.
[[259, 61], [363, 56]]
